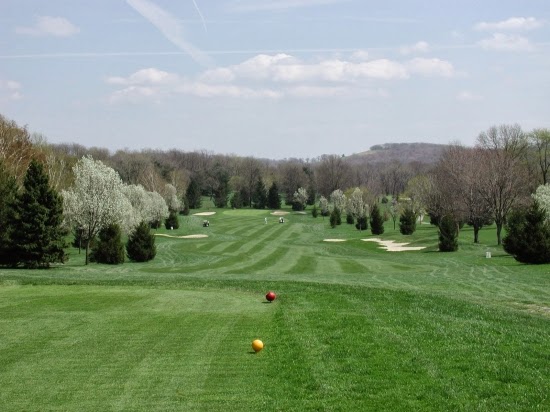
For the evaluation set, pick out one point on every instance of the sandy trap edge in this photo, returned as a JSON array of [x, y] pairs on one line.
[[392, 246], [204, 214], [182, 237], [334, 240], [279, 213]]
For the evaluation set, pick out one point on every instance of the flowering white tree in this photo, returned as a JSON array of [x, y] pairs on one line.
[[96, 200], [139, 212], [171, 197], [300, 198], [158, 210], [338, 200], [542, 196], [323, 205], [356, 204]]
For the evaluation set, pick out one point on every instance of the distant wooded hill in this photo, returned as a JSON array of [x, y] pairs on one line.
[[402, 152]]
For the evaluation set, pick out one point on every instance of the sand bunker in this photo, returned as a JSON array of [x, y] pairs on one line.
[[279, 213], [392, 246], [204, 214], [334, 240], [182, 237]]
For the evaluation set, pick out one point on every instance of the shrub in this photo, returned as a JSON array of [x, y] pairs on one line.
[[407, 222], [109, 248], [448, 234], [361, 223], [141, 244], [334, 218], [314, 211], [376, 221], [349, 219], [528, 235]]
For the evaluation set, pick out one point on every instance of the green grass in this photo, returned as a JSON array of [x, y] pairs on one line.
[[353, 328]]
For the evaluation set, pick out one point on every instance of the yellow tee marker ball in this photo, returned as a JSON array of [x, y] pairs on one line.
[[257, 345]]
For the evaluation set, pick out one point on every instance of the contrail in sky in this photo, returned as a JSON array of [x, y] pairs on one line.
[[200, 14], [170, 27]]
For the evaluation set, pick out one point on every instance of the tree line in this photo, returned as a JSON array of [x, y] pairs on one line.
[[477, 185]]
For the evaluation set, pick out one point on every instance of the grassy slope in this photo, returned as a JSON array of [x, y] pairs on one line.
[[354, 327]]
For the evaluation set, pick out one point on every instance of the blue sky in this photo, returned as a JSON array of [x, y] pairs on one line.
[[275, 79]]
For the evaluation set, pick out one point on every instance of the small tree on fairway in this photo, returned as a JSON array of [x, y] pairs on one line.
[[314, 211], [273, 197], [323, 206], [448, 234], [109, 248], [361, 223], [407, 222], [334, 217], [376, 221], [141, 244], [349, 219], [528, 235], [38, 238], [172, 221]]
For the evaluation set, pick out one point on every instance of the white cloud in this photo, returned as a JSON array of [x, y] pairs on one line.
[[506, 42], [360, 55], [273, 5], [431, 67], [49, 26], [170, 27], [466, 96], [276, 76], [418, 47], [145, 76], [10, 90], [513, 23]]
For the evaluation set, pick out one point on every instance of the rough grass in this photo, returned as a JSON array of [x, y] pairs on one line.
[[353, 328]]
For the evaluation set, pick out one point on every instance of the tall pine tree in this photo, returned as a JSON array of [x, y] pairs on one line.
[[273, 197], [8, 196], [141, 244], [193, 194], [376, 221], [38, 236]]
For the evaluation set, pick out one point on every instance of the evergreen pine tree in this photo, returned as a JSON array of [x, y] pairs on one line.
[[334, 218], [361, 223], [221, 192], [528, 235], [273, 197], [350, 220], [448, 236], [376, 221], [8, 196], [141, 244], [185, 210], [172, 221], [38, 238], [109, 248], [259, 197], [407, 222], [314, 211], [236, 200], [193, 194]]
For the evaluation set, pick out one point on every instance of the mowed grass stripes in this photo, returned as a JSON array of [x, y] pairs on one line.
[[353, 327]]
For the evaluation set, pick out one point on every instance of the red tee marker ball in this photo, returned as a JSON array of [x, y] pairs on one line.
[[270, 296]]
